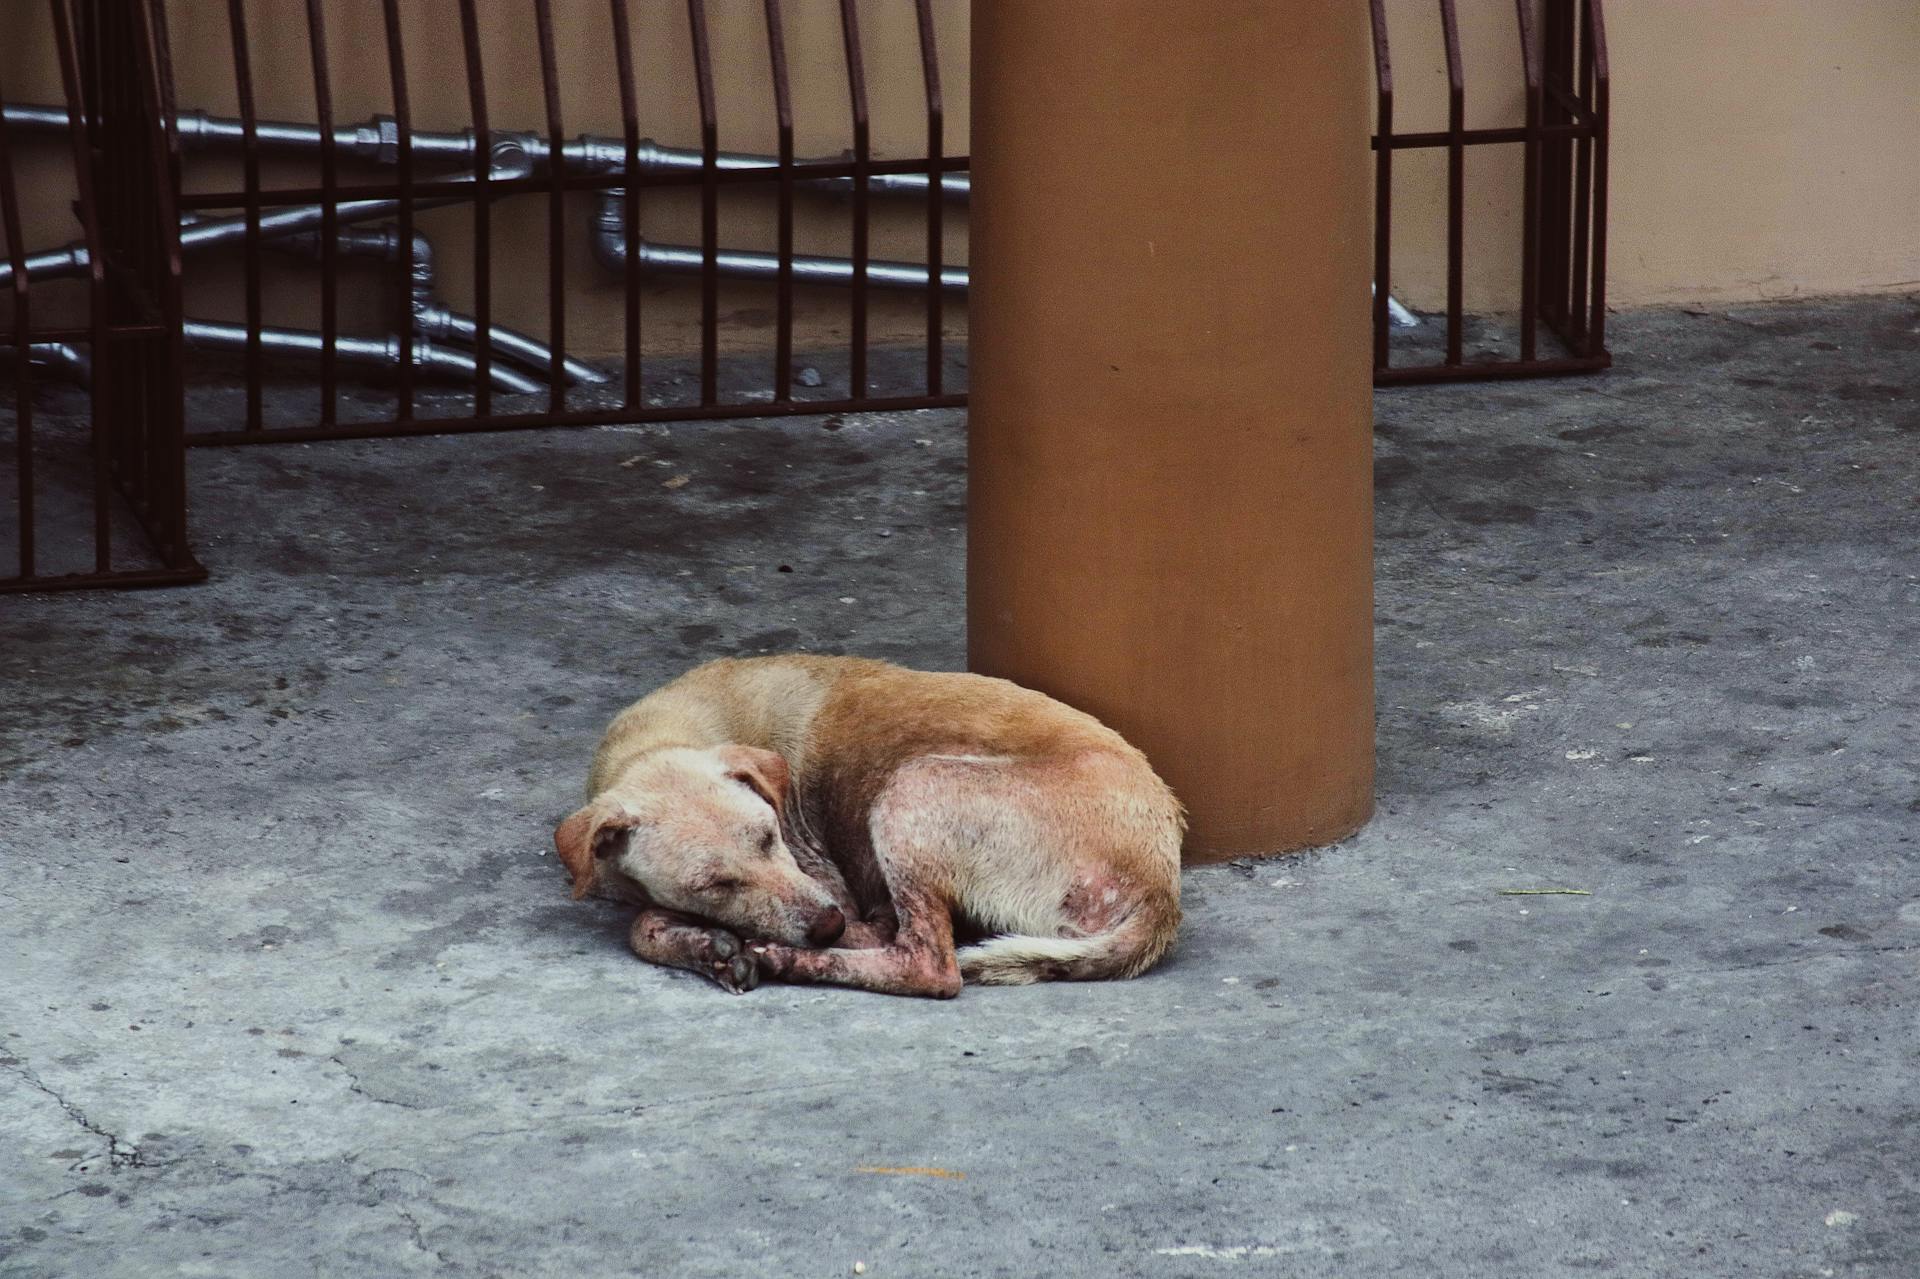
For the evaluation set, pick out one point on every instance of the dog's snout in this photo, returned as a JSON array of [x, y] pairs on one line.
[[827, 927]]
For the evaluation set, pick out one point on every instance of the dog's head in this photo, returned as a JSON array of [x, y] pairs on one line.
[[699, 831]]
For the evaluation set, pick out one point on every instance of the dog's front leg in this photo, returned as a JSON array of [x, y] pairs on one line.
[[919, 961], [681, 941]]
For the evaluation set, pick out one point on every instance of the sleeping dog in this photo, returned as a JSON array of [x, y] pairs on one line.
[[842, 821]]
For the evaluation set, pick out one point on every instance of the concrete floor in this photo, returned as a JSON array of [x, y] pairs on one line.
[[293, 985]]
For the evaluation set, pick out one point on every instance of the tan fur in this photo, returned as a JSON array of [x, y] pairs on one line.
[[912, 796]]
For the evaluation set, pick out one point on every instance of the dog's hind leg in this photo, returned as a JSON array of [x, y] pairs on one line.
[[681, 941], [1127, 949]]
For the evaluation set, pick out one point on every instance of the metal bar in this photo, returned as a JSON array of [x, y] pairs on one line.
[[814, 175], [1501, 371], [1382, 187], [1556, 173], [709, 203], [630, 204], [1456, 178], [329, 201], [1602, 111], [80, 126], [783, 119], [862, 155], [587, 157], [936, 205], [125, 578], [578, 417], [22, 349], [250, 176], [1582, 197], [85, 333], [556, 211], [1530, 184], [482, 210], [1477, 137], [403, 162], [166, 417]]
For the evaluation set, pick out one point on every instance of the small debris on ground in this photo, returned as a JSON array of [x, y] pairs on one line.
[[678, 481], [1546, 892], [808, 376]]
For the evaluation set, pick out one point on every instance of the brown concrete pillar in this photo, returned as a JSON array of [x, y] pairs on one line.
[[1171, 444]]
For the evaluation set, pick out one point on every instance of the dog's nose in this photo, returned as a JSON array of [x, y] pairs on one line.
[[827, 928]]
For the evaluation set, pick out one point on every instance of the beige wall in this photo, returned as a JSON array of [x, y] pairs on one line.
[[1761, 149]]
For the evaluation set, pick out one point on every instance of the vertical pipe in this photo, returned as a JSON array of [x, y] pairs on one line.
[[1382, 187], [936, 198], [862, 145], [709, 205], [482, 212], [250, 177], [630, 201], [1530, 183], [1170, 442], [1456, 176], [403, 124], [329, 219], [22, 345], [783, 113], [556, 214]]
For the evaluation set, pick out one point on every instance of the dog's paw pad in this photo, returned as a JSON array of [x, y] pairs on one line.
[[738, 974]]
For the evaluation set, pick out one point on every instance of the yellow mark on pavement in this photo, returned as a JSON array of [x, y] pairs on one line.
[[916, 1172]]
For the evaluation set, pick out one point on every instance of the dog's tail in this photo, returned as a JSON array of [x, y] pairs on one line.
[[1127, 949]]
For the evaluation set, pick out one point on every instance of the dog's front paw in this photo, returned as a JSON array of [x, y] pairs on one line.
[[775, 959], [729, 963]]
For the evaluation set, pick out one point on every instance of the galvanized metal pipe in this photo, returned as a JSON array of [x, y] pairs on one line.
[[377, 141], [431, 318], [63, 358], [610, 246], [384, 352]]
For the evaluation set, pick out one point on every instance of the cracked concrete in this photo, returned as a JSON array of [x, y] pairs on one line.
[[294, 987]]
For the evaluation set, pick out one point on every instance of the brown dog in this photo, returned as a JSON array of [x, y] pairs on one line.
[[804, 801]]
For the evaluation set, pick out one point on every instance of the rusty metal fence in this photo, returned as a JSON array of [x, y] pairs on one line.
[[516, 380], [100, 434], [1563, 254], [98, 483]]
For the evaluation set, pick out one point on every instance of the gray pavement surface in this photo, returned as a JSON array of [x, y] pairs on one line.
[[292, 985]]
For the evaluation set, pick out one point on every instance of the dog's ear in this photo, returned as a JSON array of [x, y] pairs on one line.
[[765, 771], [587, 836]]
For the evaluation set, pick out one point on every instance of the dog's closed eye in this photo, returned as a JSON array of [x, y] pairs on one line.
[[720, 884]]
